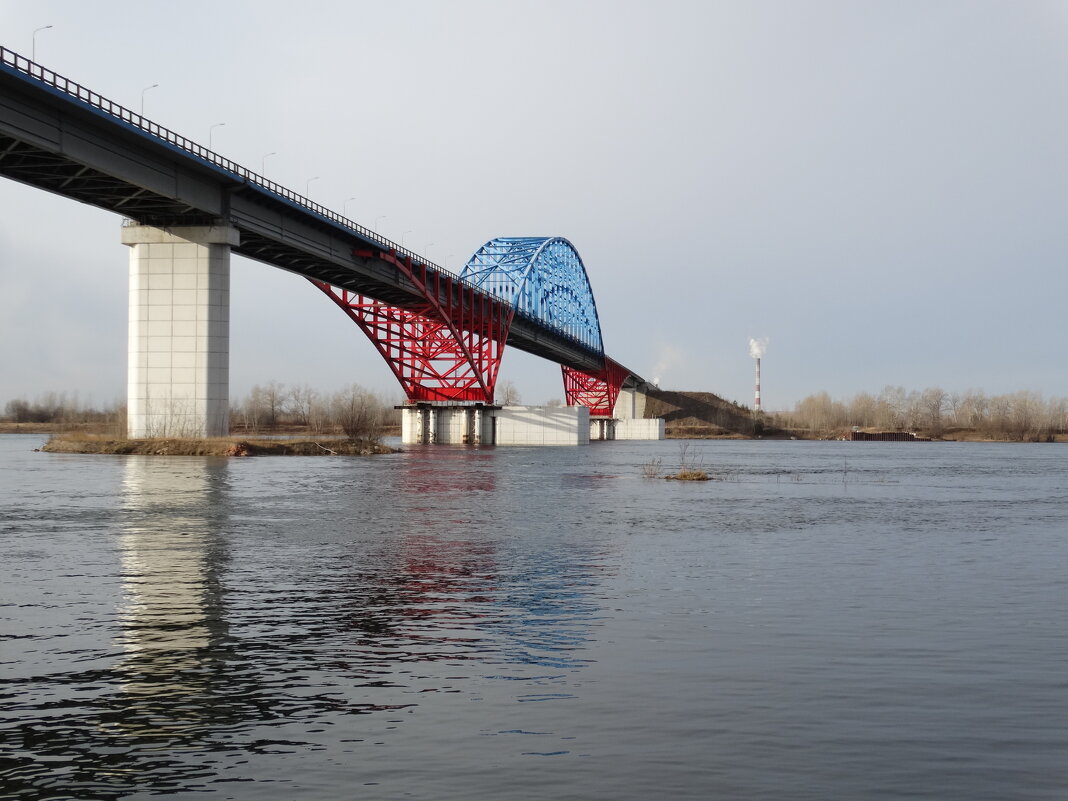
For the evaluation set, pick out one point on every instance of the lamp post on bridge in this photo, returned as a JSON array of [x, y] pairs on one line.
[[308, 183], [345, 207], [263, 161], [211, 131], [379, 217], [404, 235], [33, 50], [153, 86]]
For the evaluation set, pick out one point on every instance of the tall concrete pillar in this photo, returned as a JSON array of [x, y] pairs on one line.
[[179, 347], [625, 404]]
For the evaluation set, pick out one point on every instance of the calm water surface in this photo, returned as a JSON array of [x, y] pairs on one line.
[[829, 621]]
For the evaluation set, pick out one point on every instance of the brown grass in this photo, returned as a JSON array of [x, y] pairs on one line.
[[689, 474], [220, 446]]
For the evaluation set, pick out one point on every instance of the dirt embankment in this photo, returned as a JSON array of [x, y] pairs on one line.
[[222, 446], [701, 415]]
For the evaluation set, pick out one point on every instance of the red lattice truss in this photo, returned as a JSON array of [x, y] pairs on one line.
[[448, 347], [597, 390]]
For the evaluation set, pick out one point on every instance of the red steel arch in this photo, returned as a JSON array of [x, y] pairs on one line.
[[446, 348], [598, 390]]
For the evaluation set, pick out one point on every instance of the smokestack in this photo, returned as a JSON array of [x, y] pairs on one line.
[[756, 399], [756, 350]]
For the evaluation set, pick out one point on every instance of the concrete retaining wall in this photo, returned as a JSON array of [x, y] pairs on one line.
[[640, 429], [433, 424], [542, 425]]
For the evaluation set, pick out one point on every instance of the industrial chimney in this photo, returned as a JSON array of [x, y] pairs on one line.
[[756, 350], [756, 397]]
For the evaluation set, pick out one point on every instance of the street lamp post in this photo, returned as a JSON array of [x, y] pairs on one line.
[[308, 183], [33, 51], [404, 235], [345, 207], [153, 86], [211, 130], [263, 161], [375, 226]]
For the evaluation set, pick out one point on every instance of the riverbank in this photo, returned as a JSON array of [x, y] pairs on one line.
[[220, 446]]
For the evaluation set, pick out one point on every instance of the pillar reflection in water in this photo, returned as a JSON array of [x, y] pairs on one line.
[[171, 614]]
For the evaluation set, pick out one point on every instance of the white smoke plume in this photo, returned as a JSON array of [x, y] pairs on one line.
[[757, 347], [667, 358]]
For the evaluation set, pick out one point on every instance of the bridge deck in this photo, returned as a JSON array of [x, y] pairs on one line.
[[61, 137]]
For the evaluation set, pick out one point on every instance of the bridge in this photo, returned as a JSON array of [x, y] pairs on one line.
[[187, 208]]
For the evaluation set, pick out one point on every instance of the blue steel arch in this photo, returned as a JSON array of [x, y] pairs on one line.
[[542, 277]]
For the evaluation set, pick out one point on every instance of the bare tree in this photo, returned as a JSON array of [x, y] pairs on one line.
[[358, 413], [507, 394], [933, 402], [274, 398], [300, 402]]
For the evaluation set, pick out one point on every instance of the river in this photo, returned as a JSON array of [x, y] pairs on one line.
[[826, 620]]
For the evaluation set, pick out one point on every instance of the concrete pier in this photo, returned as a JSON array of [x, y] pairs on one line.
[[543, 425], [479, 424], [178, 382], [629, 418], [433, 423]]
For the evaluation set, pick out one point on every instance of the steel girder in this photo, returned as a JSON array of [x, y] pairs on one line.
[[447, 348], [598, 391], [541, 277]]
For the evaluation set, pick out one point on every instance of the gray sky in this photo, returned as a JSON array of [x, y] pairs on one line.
[[879, 188]]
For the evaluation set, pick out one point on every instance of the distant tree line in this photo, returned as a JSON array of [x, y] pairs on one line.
[[354, 411], [1023, 416], [62, 408]]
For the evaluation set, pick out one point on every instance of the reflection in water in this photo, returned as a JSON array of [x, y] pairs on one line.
[[249, 625], [443, 625], [171, 616], [104, 731]]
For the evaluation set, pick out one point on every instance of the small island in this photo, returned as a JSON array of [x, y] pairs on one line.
[[219, 446]]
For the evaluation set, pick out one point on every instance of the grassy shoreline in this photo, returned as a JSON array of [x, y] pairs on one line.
[[218, 446], [71, 438]]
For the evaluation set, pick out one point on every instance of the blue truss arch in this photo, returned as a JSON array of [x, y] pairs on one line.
[[543, 278]]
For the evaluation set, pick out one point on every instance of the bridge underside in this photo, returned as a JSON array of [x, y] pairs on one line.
[[57, 136]]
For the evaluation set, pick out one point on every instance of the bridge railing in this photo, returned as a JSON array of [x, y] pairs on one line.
[[118, 111]]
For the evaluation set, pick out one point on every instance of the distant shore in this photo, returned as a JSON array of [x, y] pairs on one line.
[[96, 438]]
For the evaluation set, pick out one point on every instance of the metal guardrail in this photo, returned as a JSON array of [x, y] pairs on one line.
[[132, 118]]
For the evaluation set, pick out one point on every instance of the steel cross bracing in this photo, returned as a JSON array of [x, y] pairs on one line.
[[443, 335], [448, 348], [543, 277], [598, 390]]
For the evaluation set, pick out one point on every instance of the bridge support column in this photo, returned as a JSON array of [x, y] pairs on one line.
[[178, 382], [445, 423], [602, 428]]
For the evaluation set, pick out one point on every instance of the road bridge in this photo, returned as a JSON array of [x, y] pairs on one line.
[[187, 208]]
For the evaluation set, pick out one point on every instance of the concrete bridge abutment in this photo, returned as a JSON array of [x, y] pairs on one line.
[[178, 381], [430, 423], [443, 423]]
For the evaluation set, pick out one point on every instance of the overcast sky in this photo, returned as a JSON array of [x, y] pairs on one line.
[[879, 188]]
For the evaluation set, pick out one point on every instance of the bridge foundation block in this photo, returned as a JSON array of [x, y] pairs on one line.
[[477, 424], [178, 382], [602, 429], [635, 428], [431, 423], [630, 421]]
